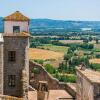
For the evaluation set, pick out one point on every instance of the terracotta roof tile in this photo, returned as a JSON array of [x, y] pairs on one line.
[[16, 16], [24, 34]]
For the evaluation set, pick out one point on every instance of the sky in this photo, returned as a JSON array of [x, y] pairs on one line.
[[53, 9]]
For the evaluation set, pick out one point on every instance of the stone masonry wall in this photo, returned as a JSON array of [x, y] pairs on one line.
[[8, 26], [43, 75], [20, 45], [1, 68], [84, 88]]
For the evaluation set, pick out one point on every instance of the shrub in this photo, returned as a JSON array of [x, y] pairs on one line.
[[95, 66], [35, 71], [66, 78], [49, 68], [97, 55], [39, 61]]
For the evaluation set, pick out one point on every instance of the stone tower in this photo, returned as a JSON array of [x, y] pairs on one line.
[[1, 63], [16, 42]]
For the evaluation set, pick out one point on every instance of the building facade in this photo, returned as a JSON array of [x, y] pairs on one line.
[[1, 63], [15, 55], [88, 84]]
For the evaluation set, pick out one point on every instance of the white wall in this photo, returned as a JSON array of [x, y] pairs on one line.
[[8, 26]]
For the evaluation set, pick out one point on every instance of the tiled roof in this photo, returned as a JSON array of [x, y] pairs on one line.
[[23, 34], [16, 16]]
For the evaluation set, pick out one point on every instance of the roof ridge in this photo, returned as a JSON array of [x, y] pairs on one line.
[[16, 16]]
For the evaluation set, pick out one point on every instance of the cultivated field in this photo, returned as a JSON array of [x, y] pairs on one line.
[[70, 41], [51, 47], [52, 57], [97, 46], [44, 54], [95, 61]]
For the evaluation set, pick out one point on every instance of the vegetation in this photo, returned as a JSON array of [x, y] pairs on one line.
[[40, 61], [65, 78], [50, 69], [35, 70], [85, 50], [53, 48], [95, 67]]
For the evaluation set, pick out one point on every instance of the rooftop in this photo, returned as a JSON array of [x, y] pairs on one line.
[[53, 95], [91, 75], [16, 16], [1, 37], [22, 34]]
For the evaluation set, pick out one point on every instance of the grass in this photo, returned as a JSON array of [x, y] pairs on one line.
[[96, 49], [51, 47]]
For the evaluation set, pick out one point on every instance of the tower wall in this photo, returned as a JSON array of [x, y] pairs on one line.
[[20, 45], [1, 67], [8, 26]]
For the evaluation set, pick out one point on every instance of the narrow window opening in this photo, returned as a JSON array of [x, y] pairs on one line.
[[16, 29], [11, 56], [11, 80]]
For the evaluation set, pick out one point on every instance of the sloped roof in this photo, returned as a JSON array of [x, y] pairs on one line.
[[16, 16], [22, 34]]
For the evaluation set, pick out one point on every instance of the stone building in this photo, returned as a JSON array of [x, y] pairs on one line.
[[1, 63], [88, 84], [14, 63]]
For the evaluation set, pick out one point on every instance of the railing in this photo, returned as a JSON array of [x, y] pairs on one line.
[[5, 97]]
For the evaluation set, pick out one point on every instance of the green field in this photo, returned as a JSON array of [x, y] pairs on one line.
[[55, 48]]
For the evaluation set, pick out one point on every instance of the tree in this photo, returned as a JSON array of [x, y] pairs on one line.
[[67, 56], [90, 38], [85, 41], [97, 41]]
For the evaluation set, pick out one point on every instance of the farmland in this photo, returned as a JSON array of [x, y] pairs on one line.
[[55, 48], [71, 41], [47, 56], [44, 54], [60, 57], [94, 61]]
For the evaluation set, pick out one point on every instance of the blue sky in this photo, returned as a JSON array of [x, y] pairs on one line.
[[54, 9]]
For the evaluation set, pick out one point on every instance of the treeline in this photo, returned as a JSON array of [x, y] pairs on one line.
[[34, 42]]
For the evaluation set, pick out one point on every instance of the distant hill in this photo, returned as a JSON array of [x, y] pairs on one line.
[[48, 24], [64, 24], [51, 25], [1, 24]]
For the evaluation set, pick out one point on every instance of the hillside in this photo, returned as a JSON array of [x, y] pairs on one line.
[[49, 25]]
